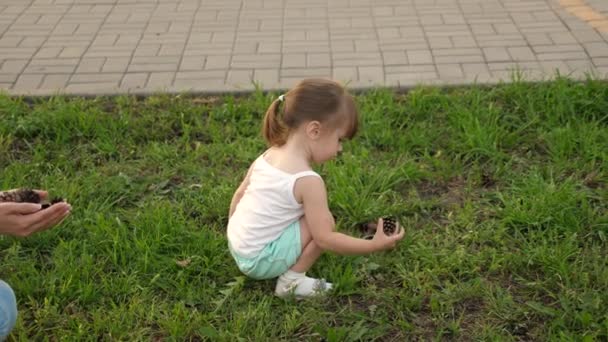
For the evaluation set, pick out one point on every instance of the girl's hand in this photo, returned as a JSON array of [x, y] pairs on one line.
[[384, 242]]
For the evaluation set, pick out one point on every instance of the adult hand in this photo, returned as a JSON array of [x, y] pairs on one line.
[[385, 242], [24, 219]]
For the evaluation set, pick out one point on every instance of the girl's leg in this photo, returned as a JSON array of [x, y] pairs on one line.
[[310, 251], [295, 281]]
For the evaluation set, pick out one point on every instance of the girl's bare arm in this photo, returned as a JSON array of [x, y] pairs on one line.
[[238, 194]]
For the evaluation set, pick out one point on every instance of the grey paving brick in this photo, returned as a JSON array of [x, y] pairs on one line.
[[345, 74], [13, 66], [580, 68], [91, 88], [453, 18], [457, 52], [496, 54], [269, 47], [539, 39], [8, 78], [440, 42], [394, 57], [50, 52], [217, 62], [596, 49], [561, 56], [116, 64], [239, 77], [114, 51], [28, 82], [35, 42], [134, 81], [458, 59], [147, 50], [409, 69], [159, 81], [151, 67], [401, 44], [6, 86], [521, 53], [105, 40], [588, 35], [306, 72], [603, 61], [464, 41], [411, 79], [266, 77], [155, 60], [96, 78], [192, 63], [389, 33], [250, 47], [419, 56], [411, 31], [505, 28], [305, 47], [372, 74], [563, 38], [90, 65], [194, 75], [482, 29], [513, 66], [450, 71], [10, 41], [55, 82], [127, 39], [557, 48], [551, 67], [49, 69], [366, 45], [72, 52], [252, 61]]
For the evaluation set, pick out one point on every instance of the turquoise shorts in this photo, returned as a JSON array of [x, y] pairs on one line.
[[276, 258]]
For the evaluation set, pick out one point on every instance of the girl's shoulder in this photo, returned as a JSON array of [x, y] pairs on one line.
[[309, 184]]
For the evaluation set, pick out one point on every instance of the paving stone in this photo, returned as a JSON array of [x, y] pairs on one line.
[[134, 81], [496, 54], [345, 74]]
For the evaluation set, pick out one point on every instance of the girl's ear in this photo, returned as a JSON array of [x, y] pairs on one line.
[[313, 130]]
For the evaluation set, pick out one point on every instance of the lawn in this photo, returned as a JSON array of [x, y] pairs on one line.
[[503, 192]]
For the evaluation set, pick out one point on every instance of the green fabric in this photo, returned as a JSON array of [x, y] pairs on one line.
[[276, 258]]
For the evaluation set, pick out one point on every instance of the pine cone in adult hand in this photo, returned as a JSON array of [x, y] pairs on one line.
[[26, 196]]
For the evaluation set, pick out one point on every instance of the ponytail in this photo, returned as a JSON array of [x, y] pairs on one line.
[[313, 99], [274, 130]]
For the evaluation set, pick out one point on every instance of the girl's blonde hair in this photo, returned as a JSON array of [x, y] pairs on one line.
[[310, 100]]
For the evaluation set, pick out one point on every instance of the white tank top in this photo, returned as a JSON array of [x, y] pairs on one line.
[[267, 207]]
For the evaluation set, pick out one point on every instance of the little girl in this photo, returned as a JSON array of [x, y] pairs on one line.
[[280, 222]]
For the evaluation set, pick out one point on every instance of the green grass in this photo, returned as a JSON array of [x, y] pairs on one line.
[[503, 192]]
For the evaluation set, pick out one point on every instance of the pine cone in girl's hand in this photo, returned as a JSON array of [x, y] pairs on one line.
[[368, 229], [389, 225]]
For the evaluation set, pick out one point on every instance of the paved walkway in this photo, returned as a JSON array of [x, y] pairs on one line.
[[142, 46]]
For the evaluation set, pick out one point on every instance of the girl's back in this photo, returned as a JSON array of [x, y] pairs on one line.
[[267, 207]]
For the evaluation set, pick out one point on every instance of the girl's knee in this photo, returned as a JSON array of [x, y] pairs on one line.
[[8, 309], [314, 245]]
